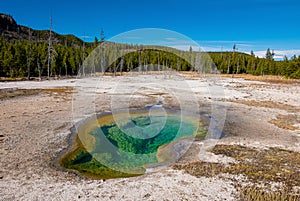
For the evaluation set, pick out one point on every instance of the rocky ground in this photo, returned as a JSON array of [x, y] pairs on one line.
[[36, 117]]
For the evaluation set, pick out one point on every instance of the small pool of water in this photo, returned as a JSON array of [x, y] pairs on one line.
[[124, 144]]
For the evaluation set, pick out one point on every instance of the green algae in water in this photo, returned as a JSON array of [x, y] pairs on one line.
[[123, 149]]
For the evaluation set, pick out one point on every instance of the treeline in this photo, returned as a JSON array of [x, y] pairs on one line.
[[31, 59], [124, 58], [239, 63]]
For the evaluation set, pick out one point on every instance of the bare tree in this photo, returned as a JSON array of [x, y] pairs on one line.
[[39, 67], [228, 67], [238, 65], [83, 48], [49, 46], [122, 62], [29, 54], [140, 60], [158, 67]]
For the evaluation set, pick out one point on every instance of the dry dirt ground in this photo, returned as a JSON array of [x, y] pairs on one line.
[[36, 117]]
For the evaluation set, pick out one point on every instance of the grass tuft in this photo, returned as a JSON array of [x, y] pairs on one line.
[[261, 167]]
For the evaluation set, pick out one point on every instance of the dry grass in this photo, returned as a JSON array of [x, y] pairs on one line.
[[286, 121], [12, 93], [272, 164], [8, 79], [266, 78], [258, 194], [60, 93], [56, 92], [259, 166], [268, 104]]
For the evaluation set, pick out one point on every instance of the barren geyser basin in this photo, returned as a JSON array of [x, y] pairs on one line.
[[257, 156]]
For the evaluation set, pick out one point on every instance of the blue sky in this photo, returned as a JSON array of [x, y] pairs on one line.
[[215, 25]]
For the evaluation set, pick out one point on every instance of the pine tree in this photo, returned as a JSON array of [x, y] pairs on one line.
[[102, 36], [269, 55], [96, 41]]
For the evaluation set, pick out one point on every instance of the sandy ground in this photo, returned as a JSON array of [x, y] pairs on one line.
[[34, 129]]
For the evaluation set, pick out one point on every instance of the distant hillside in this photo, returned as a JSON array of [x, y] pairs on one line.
[[11, 31]]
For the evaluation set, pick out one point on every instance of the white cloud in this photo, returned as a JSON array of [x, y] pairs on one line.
[[288, 53], [279, 54], [260, 54]]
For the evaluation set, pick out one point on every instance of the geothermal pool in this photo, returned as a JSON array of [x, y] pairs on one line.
[[124, 144]]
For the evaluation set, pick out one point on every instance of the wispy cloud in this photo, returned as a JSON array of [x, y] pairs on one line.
[[171, 39], [132, 37], [244, 44], [279, 54], [202, 48], [182, 43], [187, 47], [225, 41], [288, 53], [227, 45], [85, 37]]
